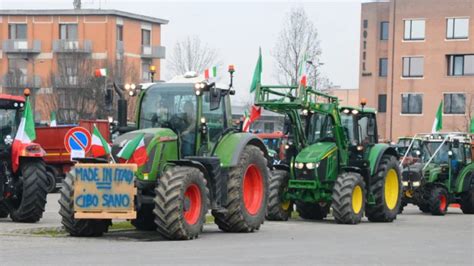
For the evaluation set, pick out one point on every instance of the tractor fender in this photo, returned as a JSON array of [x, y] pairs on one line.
[[465, 179], [377, 152], [190, 163], [232, 145]]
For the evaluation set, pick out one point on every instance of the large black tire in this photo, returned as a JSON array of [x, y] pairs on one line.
[[467, 202], [424, 201], [383, 211], [30, 206], [3, 210], [51, 181], [348, 198], [145, 218], [276, 209], [312, 211], [438, 201], [238, 218], [171, 203], [78, 227]]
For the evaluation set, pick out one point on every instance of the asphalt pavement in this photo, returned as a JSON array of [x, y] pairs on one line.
[[413, 239]]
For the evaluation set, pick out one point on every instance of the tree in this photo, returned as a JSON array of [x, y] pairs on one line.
[[297, 44], [190, 54]]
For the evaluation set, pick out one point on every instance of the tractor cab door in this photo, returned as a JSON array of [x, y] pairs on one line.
[[367, 129], [213, 122]]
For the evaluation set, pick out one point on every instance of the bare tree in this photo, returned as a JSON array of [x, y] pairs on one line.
[[297, 44], [190, 54]]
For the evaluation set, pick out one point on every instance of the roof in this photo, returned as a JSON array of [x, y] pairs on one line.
[[80, 12], [12, 97]]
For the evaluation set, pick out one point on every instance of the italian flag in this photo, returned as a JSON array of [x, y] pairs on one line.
[[438, 122], [26, 134], [302, 73], [246, 124], [99, 146], [255, 113], [257, 73], [101, 72], [134, 151], [53, 121], [210, 72]]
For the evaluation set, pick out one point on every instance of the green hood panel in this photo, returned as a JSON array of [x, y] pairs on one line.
[[316, 152]]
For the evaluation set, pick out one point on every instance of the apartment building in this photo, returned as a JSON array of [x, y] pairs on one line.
[[413, 55], [56, 51]]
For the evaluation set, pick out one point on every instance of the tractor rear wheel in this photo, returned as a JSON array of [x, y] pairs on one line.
[[277, 209], [386, 187], [29, 206], [312, 211], [51, 177], [467, 202], [3, 210], [181, 203], [78, 227], [348, 198], [438, 201], [145, 218], [247, 191]]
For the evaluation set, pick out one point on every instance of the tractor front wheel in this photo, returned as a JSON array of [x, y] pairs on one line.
[[467, 202], [28, 207], [145, 218], [438, 201], [348, 198], [181, 203], [78, 227], [247, 191], [278, 210], [386, 188]]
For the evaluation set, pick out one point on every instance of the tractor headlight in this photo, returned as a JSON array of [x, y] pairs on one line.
[[405, 183], [416, 183], [311, 166], [299, 165]]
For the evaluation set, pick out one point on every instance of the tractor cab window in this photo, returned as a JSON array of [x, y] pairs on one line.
[[9, 119], [429, 149], [468, 150], [215, 119], [367, 129], [320, 128], [174, 108]]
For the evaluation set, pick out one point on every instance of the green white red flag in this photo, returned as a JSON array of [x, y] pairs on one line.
[[257, 73], [255, 113], [302, 73], [53, 122], [26, 134], [210, 72], [99, 146], [438, 122], [134, 151], [101, 72]]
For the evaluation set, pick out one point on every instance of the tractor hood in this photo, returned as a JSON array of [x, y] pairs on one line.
[[316, 152]]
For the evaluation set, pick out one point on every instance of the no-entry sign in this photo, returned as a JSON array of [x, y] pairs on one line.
[[78, 142]]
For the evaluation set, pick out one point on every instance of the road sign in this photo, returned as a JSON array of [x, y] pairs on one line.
[[78, 142]]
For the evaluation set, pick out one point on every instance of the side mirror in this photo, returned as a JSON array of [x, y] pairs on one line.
[[215, 101]]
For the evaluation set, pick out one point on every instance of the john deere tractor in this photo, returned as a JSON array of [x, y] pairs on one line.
[[23, 178], [444, 175], [196, 161], [335, 160]]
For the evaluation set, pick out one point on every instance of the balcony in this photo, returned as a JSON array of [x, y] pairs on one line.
[[21, 81], [66, 82], [72, 46], [157, 52], [22, 46]]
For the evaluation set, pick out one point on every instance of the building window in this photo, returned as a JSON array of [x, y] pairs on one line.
[[413, 67], [384, 30], [17, 72], [146, 70], [146, 37], [365, 44], [382, 108], [383, 64], [454, 103], [460, 65], [414, 30], [68, 31], [363, 55], [120, 33], [457, 28], [412, 103], [17, 31], [366, 23]]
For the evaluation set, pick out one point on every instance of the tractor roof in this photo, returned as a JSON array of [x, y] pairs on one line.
[[450, 136], [12, 98], [360, 109]]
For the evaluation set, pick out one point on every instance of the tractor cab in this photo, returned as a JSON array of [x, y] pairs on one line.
[[10, 115], [360, 127]]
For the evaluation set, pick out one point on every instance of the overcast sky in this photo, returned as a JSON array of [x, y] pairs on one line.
[[237, 28]]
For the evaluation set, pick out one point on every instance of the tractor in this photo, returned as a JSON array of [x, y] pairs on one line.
[[444, 175], [335, 160], [197, 161], [276, 143], [23, 189]]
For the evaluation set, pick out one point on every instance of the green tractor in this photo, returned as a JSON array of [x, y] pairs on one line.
[[444, 175], [335, 160], [197, 161]]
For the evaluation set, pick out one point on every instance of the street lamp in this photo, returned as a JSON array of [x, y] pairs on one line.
[[152, 72], [311, 63]]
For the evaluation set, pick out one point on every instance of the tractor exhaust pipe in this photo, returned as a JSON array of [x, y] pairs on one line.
[[122, 107]]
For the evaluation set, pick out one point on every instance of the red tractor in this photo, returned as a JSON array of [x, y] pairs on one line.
[[23, 177]]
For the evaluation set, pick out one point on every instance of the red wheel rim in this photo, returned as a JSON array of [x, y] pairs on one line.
[[192, 205], [442, 203], [253, 189]]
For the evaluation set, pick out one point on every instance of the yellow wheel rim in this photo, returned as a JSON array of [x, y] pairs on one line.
[[285, 205], [391, 189], [357, 199]]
